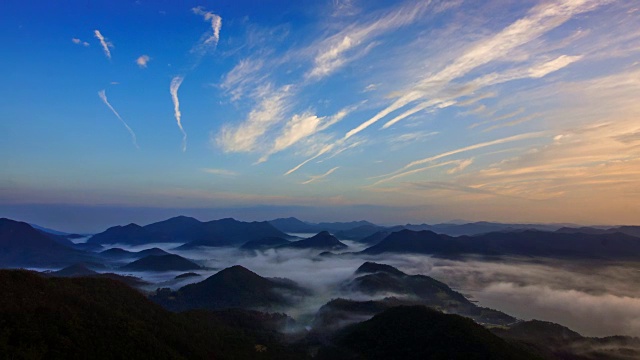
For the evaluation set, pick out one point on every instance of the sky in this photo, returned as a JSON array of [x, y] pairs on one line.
[[391, 111]]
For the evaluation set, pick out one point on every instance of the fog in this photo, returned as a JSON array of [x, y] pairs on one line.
[[592, 298]]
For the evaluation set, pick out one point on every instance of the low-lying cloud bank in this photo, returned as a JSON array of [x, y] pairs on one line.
[[593, 298]]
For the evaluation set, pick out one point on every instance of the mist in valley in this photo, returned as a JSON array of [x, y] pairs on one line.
[[594, 298]]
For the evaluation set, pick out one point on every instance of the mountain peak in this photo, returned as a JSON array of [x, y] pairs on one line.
[[372, 267]]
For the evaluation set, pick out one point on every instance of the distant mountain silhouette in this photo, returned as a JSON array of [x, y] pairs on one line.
[[321, 241], [520, 243], [230, 232], [191, 232], [361, 232], [162, 263], [233, 287], [22, 245], [131, 234], [121, 254], [293, 225], [83, 270], [628, 230], [264, 243], [417, 332]]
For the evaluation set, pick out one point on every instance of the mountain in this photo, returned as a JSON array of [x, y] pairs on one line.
[[75, 270], [119, 253], [231, 232], [233, 287], [321, 241], [162, 263], [558, 342], [359, 232], [22, 245], [372, 268], [374, 238], [264, 243], [628, 230], [292, 225], [191, 232], [131, 234], [180, 229], [417, 332], [88, 318], [519, 243], [376, 280]]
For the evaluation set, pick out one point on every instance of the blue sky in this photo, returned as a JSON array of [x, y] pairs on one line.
[[393, 111]]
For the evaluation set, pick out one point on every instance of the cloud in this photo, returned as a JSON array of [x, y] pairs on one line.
[[320, 177], [352, 42], [80, 42], [269, 111], [103, 95], [104, 43], [210, 40], [143, 60], [173, 89], [538, 21], [223, 172], [505, 140], [243, 78], [303, 126]]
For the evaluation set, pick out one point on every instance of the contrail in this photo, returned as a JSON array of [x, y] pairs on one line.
[[104, 43], [103, 96], [173, 89]]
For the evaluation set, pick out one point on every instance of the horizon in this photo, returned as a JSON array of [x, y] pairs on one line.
[[505, 111]]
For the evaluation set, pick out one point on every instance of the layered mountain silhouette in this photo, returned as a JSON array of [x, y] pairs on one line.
[[233, 287], [22, 245], [293, 225], [169, 262], [190, 231], [119, 253], [517, 243], [321, 241]]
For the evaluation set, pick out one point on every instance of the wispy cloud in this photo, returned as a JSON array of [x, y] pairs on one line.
[[80, 42], [538, 21], [209, 40], [222, 172], [269, 111], [104, 43], [173, 89], [353, 42], [103, 95], [142, 60], [320, 177]]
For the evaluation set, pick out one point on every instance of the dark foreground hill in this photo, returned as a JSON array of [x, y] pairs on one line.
[[233, 287], [558, 342], [417, 332], [86, 318]]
